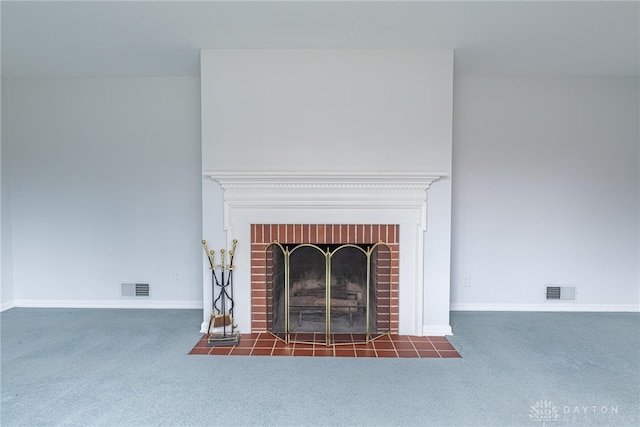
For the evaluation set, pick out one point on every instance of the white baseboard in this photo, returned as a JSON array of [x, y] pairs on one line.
[[6, 306], [550, 306], [436, 330], [124, 303]]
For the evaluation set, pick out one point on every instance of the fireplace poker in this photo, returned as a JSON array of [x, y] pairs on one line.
[[214, 279], [211, 257], [207, 253]]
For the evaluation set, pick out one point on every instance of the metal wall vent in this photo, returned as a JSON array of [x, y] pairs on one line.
[[560, 293], [130, 290]]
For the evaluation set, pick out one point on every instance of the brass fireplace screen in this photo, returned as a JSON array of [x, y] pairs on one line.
[[339, 294]]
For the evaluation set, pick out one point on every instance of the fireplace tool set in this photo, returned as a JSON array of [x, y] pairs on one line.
[[222, 299]]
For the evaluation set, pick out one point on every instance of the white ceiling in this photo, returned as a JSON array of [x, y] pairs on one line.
[[163, 38]]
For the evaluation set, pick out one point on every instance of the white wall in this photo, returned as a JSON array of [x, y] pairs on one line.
[[326, 110], [6, 284], [7, 296], [546, 191], [6, 263], [105, 188]]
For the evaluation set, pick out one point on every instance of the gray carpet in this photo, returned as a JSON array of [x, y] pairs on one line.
[[76, 367]]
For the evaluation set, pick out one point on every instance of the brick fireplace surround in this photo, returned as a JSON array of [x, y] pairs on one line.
[[263, 234]]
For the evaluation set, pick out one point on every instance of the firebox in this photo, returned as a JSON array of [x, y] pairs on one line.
[[332, 284], [333, 294]]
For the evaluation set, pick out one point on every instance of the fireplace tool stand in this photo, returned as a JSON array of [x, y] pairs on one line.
[[222, 299]]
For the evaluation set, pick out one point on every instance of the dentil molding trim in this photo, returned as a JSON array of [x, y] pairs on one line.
[[261, 180]]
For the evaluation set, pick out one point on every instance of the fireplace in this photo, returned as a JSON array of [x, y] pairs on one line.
[[335, 283], [327, 210]]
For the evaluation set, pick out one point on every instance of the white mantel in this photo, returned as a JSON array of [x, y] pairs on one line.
[[332, 198]]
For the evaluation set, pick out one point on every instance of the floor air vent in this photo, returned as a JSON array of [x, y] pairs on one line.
[[558, 293], [129, 290]]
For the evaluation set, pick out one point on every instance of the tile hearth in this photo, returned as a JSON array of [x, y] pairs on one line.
[[394, 346]]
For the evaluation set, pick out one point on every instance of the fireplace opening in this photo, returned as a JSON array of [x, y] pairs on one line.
[[331, 294]]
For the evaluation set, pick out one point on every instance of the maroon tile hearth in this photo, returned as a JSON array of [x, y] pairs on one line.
[[388, 346]]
